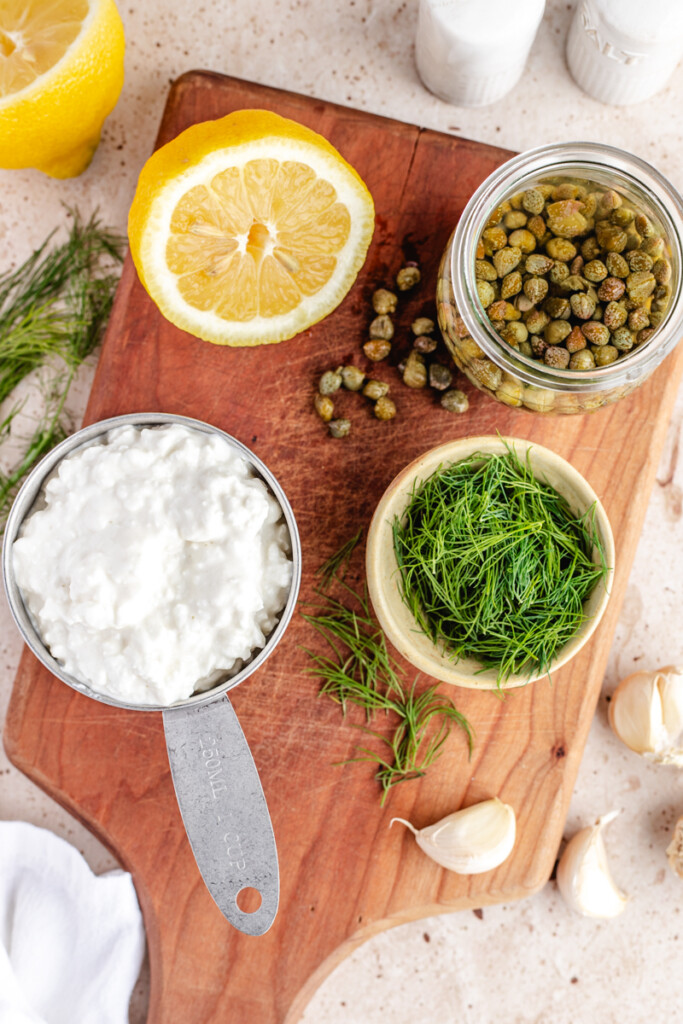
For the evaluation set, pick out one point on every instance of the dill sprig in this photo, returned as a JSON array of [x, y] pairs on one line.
[[360, 671], [53, 310], [495, 565]]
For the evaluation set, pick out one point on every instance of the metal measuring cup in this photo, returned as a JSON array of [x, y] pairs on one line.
[[216, 781]]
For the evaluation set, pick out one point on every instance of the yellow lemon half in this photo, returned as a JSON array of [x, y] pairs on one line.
[[248, 229], [61, 72]]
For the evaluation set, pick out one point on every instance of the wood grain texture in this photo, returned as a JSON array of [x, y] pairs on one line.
[[345, 875]]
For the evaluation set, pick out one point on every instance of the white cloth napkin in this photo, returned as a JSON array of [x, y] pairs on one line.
[[71, 942]]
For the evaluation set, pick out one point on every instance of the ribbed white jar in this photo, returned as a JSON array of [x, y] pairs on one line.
[[471, 53], [624, 51]]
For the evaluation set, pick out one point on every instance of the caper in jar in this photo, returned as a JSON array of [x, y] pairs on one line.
[[579, 266]]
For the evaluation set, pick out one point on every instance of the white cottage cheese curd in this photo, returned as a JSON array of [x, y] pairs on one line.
[[158, 562]]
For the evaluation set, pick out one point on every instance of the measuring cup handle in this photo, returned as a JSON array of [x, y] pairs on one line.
[[224, 810]]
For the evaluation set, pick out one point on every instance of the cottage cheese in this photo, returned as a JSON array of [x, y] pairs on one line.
[[158, 563]]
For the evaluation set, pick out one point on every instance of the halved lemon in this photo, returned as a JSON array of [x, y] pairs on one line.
[[61, 72], [248, 229]]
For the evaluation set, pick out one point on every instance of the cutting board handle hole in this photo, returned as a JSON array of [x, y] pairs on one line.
[[248, 900]]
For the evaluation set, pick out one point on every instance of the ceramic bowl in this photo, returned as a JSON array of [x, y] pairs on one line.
[[383, 575]]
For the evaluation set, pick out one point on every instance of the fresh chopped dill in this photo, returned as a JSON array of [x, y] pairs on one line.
[[53, 310], [494, 564], [360, 671]]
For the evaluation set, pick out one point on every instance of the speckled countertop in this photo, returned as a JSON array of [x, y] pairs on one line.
[[526, 963]]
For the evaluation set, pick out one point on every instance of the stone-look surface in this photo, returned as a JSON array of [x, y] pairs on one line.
[[525, 963]]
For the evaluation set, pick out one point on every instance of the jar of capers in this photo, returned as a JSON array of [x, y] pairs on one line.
[[560, 289]]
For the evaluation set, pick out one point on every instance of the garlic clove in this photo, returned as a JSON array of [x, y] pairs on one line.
[[674, 850], [583, 875], [646, 713], [469, 841]]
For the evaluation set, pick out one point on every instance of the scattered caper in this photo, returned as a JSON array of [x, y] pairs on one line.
[[611, 289], [556, 332], [330, 382], [561, 249], [381, 328], [384, 409], [510, 285], [440, 377], [408, 277], [622, 339], [352, 378], [595, 271], [415, 373], [423, 325], [340, 428], [375, 389], [324, 406], [384, 301], [606, 355], [377, 349], [556, 356], [455, 401], [533, 201], [425, 344]]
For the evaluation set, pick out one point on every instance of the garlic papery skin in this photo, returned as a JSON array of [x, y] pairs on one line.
[[469, 841], [674, 850], [583, 875], [646, 713]]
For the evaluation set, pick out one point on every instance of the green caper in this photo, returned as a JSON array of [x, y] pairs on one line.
[[384, 301], [606, 355], [377, 349], [662, 271], [556, 332], [639, 260], [596, 333], [583, 305], [415, 372], [515, 333], [514, 219], [511, 285], [611, 289], [557, 308], [561, 249], [590, 248], [654, 247], [583, 360], [640, 285], [535, 289], [487, 373], [339, 428], [324, 406], [423, 325], [595, 270], [503, 310], [352, 378], [385, 408], [536, 321], [610, 236], [622, 339], [523, 239], [565, 218], [537, 263], [330, 382], [455, 401], [536, 226], [558, 273], [375, 389], [617, 265], [533, 201], [381, 328], [409, 276], [440, 377], [576, 340], [638, 318], [556, 356], [425, 343], [506, 260], [485, 271], [615, 315]]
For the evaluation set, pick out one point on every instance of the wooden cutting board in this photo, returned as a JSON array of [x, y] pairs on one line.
[[345, 875]]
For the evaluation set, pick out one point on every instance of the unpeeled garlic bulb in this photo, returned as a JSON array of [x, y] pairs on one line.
[[583, 876], [471, 840], [674, 850], [646, 713]]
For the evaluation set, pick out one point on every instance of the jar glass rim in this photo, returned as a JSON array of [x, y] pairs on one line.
[[545, 161]]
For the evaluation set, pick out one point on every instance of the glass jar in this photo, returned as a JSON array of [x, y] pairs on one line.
[[487, 360]]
